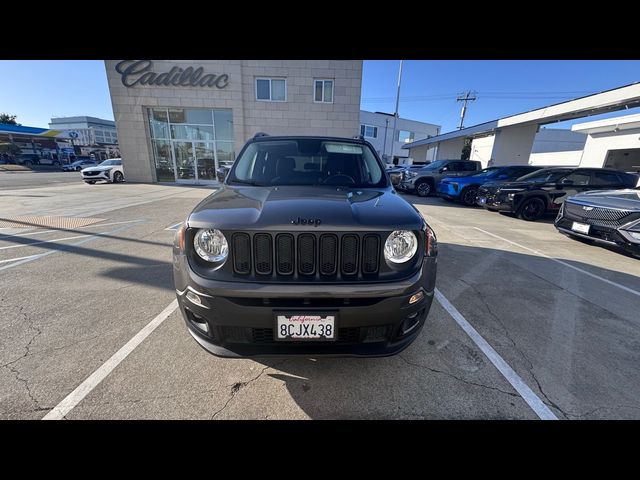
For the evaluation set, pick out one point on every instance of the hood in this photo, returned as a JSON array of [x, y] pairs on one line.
[[508, 184], [98, 169], [275, 208], [628, 199], [464, 178]]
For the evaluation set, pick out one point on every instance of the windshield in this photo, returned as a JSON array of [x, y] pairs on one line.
[[107, 163], [435, 165], [308, 161], [544, 175], [488, 172]]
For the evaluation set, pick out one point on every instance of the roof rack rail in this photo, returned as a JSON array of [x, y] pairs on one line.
[[260, 134]]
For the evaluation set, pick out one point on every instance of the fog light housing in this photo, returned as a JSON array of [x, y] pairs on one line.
[[416, 297], [193, 298], [198, 322]]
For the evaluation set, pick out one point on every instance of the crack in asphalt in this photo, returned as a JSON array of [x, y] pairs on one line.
[[236, 387], [468, 382], [549, 402], [617, 407], [27, 349]]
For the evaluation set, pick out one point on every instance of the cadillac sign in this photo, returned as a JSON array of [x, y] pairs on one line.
[[140, 72]]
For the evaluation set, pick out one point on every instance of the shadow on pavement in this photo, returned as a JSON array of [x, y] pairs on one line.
[[578, 357]]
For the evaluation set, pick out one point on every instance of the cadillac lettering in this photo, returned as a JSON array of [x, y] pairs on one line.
[[139, 72]]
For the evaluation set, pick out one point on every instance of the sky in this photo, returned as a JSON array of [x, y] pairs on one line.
[[36, 90]]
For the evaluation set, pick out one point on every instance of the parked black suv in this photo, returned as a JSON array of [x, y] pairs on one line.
[[611, 217], [305, 249], [533, 195]]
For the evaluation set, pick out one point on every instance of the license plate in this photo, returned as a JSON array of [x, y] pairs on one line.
[[580, 227], [482, 200], [305, 326]]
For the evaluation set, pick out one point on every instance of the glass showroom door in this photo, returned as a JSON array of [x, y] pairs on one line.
[[205, 159], [185, 163]]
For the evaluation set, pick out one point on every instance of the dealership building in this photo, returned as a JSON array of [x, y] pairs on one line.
[[178, 120]]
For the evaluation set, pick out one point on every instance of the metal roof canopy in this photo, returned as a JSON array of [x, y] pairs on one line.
[[620, 98]]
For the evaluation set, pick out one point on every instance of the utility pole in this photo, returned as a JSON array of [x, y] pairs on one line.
[[468, 97], [395, 115], [384, 147]]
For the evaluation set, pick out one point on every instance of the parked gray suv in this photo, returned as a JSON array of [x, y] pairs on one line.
[[423, 181]]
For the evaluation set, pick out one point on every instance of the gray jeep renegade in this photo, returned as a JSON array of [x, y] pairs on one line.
[[306, 249]]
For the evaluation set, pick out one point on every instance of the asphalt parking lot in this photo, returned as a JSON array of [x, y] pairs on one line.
[[527, 323]]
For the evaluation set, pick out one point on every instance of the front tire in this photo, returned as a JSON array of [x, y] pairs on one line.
[[468, 196], [118, 177], [532, 209], [423, 188]]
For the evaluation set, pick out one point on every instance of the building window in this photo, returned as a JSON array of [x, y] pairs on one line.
[[405, 136], [190, 143], [323, 91], [369, 131], [271, 89]]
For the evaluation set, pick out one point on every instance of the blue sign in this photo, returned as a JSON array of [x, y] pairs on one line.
[[73, 134]]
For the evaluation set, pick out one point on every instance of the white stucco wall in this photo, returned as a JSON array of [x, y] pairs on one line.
[[451, 149], [481, 149], [512, 146], [598, 144]]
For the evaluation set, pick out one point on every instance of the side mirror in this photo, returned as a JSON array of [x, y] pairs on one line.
[[444, 169]]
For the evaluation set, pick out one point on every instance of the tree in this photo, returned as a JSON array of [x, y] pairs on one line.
[[8, 119]]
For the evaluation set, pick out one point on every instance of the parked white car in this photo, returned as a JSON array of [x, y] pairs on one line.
[[109, 171]]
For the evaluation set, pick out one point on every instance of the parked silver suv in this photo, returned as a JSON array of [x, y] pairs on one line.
[[423, 181]]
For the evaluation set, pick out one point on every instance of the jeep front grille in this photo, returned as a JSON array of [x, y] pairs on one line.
[[307, 255]]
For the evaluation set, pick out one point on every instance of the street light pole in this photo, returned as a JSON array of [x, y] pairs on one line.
[[395, 115]]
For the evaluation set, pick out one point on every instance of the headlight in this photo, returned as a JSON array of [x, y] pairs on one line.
[[106, 171], [211, 246], [510, 196], [400, 246], [412, 174]]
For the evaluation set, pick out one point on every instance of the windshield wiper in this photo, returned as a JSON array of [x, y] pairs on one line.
[[248, 182]]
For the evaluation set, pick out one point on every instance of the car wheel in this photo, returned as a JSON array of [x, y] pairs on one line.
[[532, 209], [56, 164], [468, 196], [423, 188], [28, 163], [118, 177]]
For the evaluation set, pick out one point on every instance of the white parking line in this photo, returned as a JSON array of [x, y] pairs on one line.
[[536, 404], [23, 260], [18, 258], [82, 390], [544, 255], [44, 241]]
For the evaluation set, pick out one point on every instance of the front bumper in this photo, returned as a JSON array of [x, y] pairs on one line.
[[601, 234], [237, 319], [406, 186], [95, 178], [495, 202], [448, 190]]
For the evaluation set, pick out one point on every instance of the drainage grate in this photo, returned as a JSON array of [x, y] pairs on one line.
[[48, 222]]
